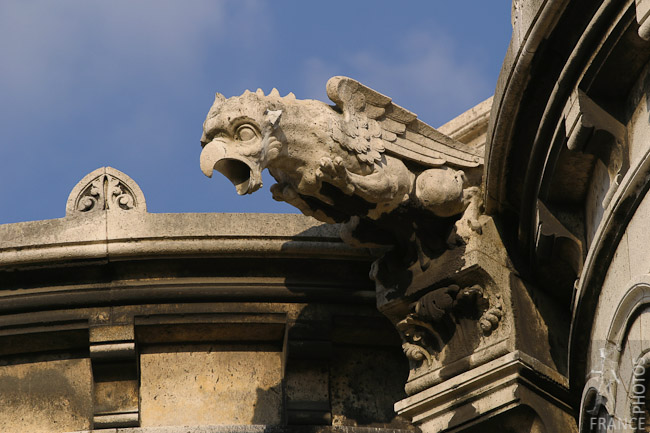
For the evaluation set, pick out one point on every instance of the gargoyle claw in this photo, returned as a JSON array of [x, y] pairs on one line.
[[334, 171], [332, 168]]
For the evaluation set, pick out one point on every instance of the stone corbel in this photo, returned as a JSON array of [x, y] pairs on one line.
[[554, 241], [584, 119], [455, 314], [308, 349], [115, 376], [475, 338], [433, 317]]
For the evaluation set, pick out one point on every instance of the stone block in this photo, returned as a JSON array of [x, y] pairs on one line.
[[46, 397], [210, 384]]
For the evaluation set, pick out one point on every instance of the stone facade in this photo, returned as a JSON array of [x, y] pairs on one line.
[[113, 318], [488, 275]]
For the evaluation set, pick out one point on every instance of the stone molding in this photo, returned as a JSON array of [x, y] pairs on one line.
[[488, 391], [116, 233], [471, 126], [642, 15], [533, 21], [611, 229]]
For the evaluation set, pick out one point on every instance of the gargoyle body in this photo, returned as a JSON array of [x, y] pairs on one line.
[[392, 181], [363, 157], [366, 162]]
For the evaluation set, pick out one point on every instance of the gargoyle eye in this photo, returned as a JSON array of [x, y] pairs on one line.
[[246, 133]]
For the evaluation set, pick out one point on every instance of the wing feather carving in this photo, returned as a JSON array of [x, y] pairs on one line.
[[402, 133]]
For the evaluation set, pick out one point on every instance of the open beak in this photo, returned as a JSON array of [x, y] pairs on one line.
[[215, 156]]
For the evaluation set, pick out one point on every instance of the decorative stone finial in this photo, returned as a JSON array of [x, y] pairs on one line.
[[105, 189]]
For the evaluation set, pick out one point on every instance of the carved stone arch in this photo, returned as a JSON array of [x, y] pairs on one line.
[[594, 404], [637, 296], [105, 189], [619, 385]]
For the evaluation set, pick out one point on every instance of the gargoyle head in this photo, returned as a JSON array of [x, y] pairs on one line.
[[238, 139]]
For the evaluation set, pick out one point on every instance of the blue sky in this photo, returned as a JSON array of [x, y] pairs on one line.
[[127, 84]]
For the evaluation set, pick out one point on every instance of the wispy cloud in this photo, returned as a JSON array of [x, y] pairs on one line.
[[86, 83], [90, 83], [428, 75], [50, 48]]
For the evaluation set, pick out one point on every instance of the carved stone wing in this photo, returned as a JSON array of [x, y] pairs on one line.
[[402, 133]]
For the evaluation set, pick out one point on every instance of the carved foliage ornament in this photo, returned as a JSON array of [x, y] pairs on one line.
[[105, 189], [434, 317], [105, 192]]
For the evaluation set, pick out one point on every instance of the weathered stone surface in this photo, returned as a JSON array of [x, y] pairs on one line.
[[155, 319], [46, 396], [252, 429], [470, 399], [266, 323], [356, 372], [471, 126], [105, 189], [210, 385], [393, 180], [567, 175], [97, 235]]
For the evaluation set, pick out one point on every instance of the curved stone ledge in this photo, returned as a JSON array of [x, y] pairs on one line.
[[187, 246], [110, 234], [107, 255]]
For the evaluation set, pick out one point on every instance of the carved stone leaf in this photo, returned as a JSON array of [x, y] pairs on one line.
[[105, 192], [416, 353], [105, 189]]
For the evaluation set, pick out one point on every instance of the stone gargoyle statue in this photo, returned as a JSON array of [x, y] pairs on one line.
[[366, 162]]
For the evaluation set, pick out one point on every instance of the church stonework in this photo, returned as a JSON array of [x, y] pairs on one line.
[[443, 277], [490, 275]]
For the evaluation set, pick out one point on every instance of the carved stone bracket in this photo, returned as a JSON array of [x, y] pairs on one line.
[[555, 242], [585, 119], [434, 317], [105, 189], [115, 376]]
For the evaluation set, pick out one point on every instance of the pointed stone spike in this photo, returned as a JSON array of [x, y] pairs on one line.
[[275, 93], [218, 97], [260, 92], [246, 92], [290, 95]]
